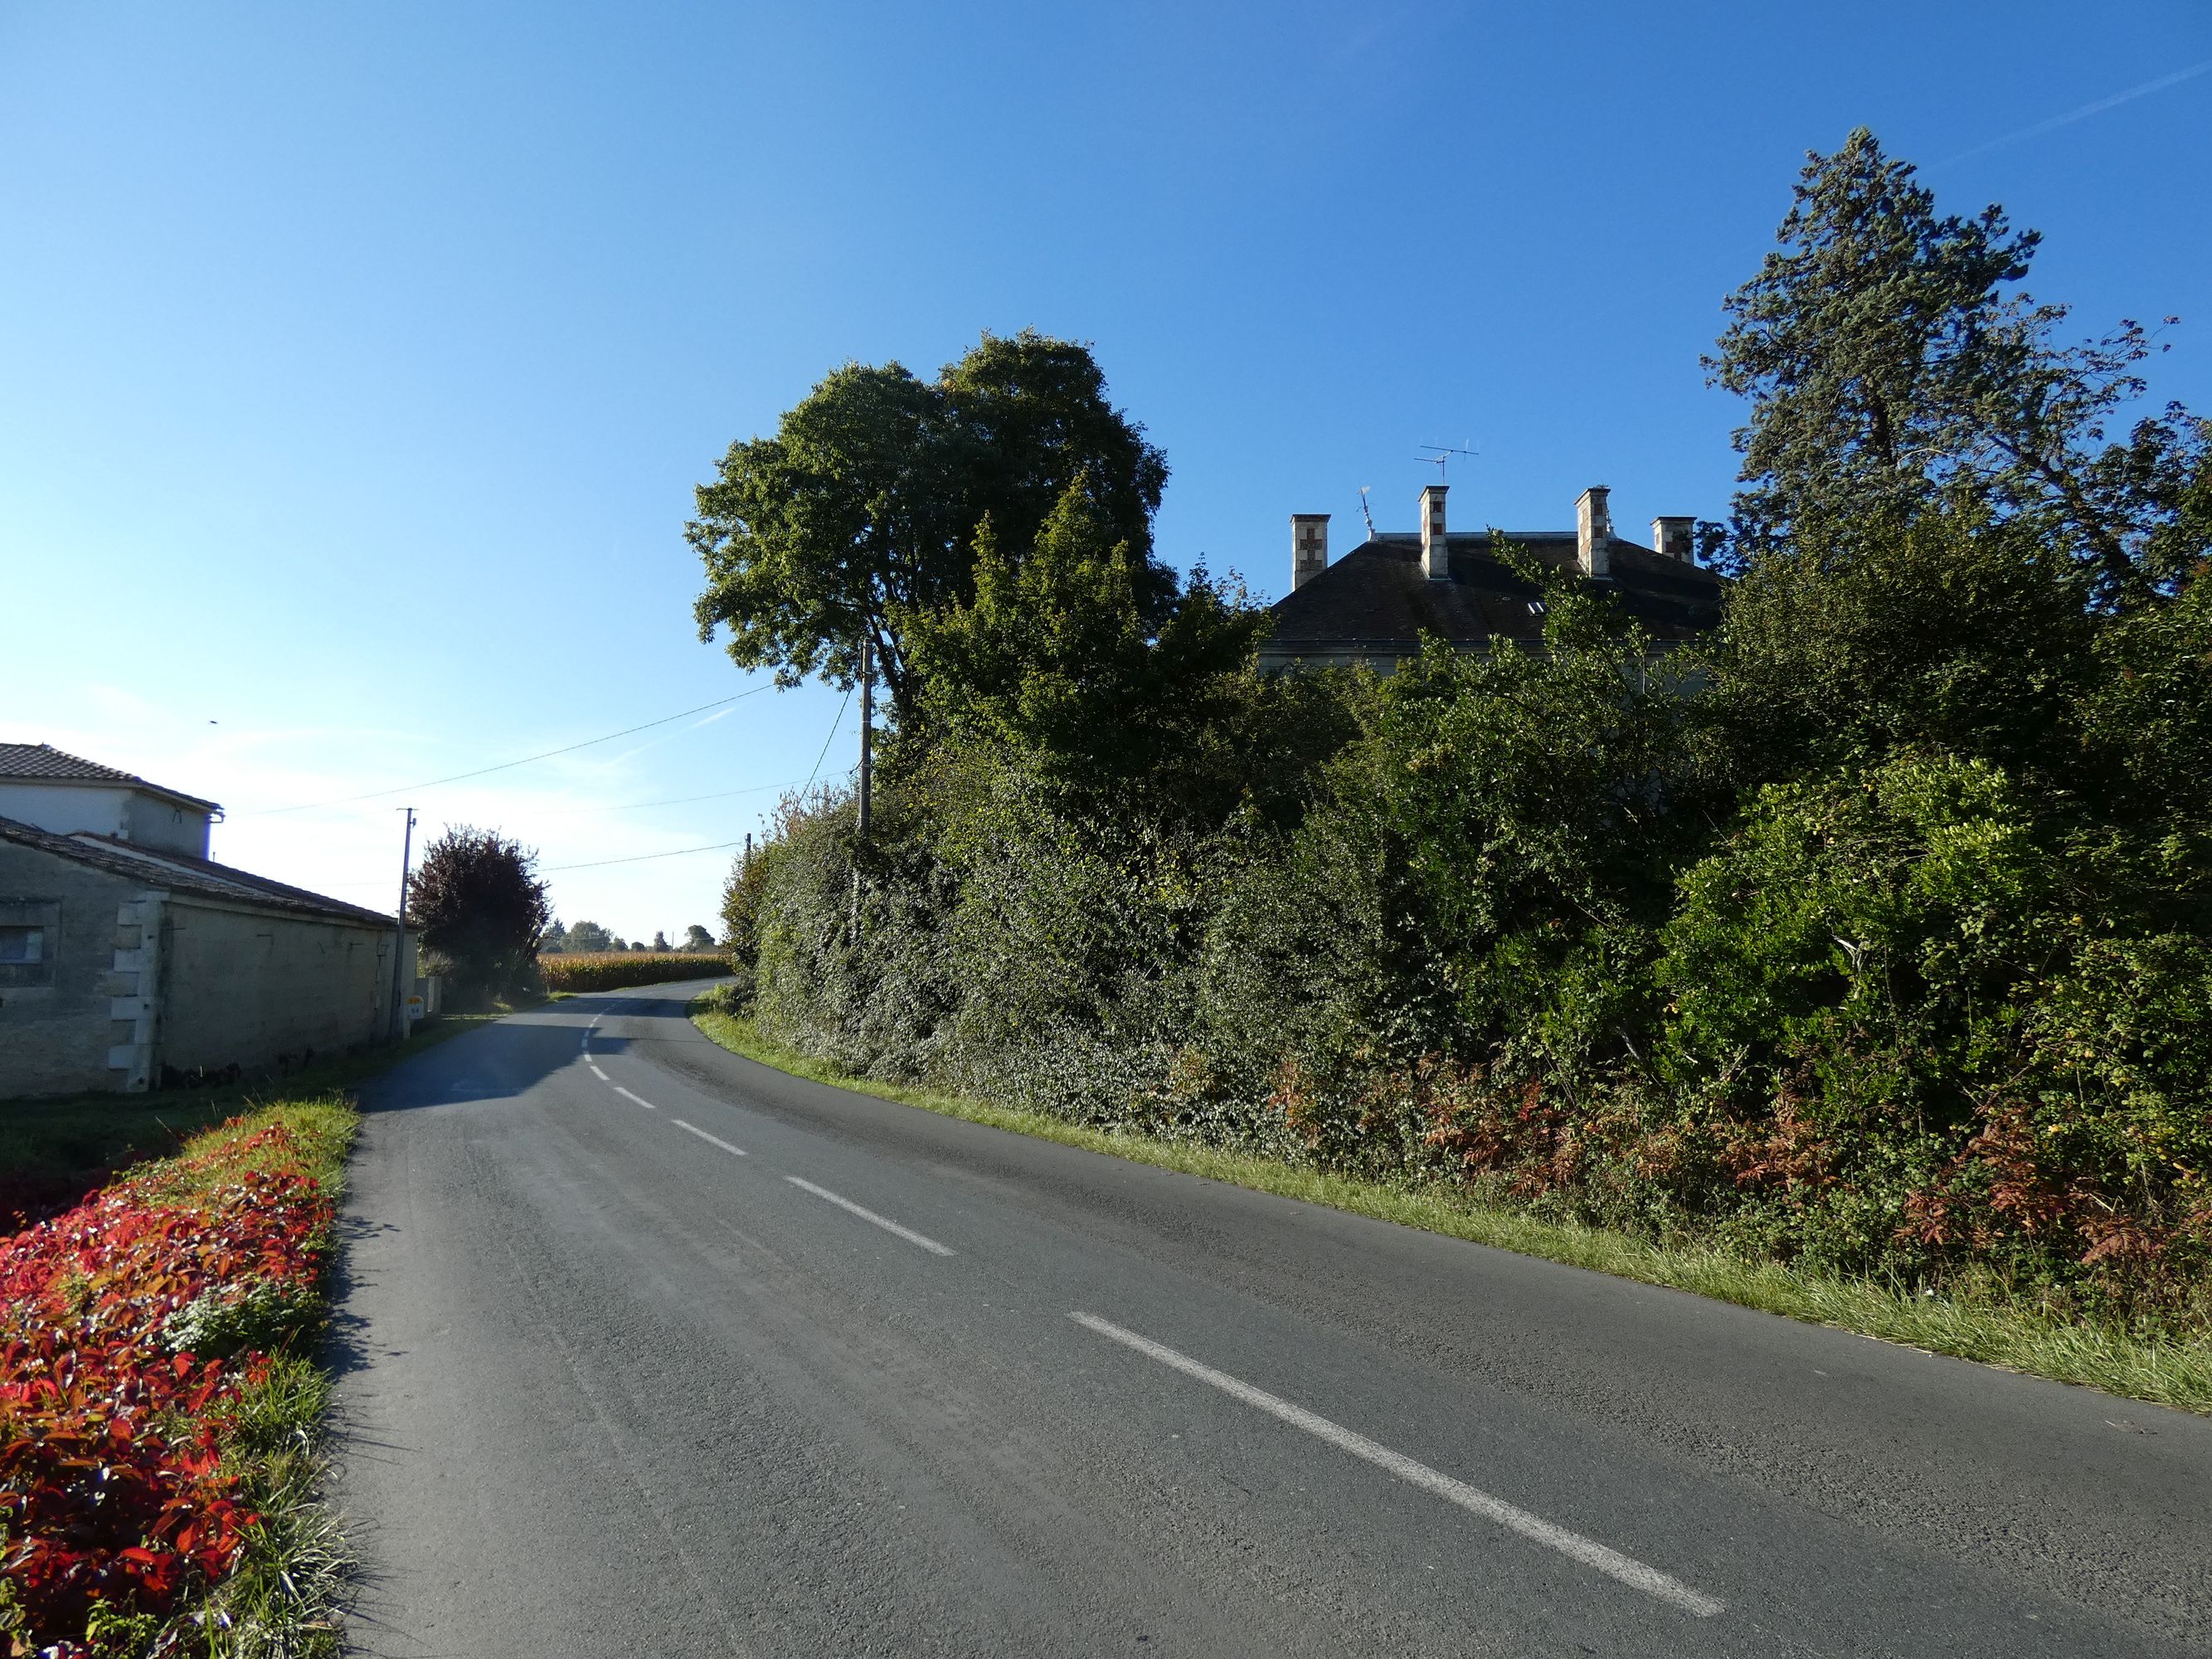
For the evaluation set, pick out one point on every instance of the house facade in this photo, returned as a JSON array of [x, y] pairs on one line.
[[1374, 604], [128, 958]]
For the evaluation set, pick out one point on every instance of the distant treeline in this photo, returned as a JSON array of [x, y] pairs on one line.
[[1874, 933]]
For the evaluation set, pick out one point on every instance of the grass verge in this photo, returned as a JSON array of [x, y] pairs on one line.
[[53, 1151], [2160, 1371], [284, 1596]]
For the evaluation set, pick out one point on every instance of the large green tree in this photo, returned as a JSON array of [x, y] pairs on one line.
[[1892, 360], [862, 511], [1075, 652]]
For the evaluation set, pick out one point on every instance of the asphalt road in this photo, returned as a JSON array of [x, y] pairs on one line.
[[648, 1349]]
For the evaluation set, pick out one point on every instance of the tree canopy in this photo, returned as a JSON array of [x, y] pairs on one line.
[[1891, 360], [1874, 933], [477, 902], [1076, 652], [863, 510]]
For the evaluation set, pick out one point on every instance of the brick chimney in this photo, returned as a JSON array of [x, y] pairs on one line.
[[1308, 547], [1673, 539], [1436, 559], [1592, 532]]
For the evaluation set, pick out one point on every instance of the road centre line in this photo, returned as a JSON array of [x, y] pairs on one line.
[[1627, 1568], [712, 1141], [601, 1075], [640, 1099], [887, 1225]]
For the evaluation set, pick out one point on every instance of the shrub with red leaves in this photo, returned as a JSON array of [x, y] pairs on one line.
[[111, 1488]]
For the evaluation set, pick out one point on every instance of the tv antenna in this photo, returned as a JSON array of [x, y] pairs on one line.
[[1364, 513], [1439, 456]]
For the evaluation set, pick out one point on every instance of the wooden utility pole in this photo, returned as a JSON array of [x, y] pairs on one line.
[[399, 948], [867, 725]]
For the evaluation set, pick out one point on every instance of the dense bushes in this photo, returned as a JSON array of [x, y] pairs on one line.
[[611, 971], [1926, 999], [1875, 932]]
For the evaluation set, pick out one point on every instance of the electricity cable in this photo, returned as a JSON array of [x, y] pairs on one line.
[[680, 800], [827, 741], [483, 771], [641, 858]]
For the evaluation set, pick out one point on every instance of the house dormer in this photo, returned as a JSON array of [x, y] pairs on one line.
[[65, 795]]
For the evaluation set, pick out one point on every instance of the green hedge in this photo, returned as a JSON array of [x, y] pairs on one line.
[[1900, 988]]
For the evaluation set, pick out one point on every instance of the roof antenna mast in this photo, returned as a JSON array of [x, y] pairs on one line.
[[1439, 455], [1364, 513]]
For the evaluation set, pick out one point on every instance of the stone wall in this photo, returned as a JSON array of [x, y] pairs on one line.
[[138, 984], [62, 1029], [263, 991]]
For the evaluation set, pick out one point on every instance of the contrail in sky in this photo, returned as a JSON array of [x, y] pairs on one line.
[[2086, 111]]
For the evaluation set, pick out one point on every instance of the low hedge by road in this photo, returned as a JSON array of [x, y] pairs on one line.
[[160, 1402], [1995, 1330], [611, 971]]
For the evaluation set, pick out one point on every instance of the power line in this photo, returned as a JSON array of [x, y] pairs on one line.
[[680, 800], [641, 858], [481, 771], [831, 738]]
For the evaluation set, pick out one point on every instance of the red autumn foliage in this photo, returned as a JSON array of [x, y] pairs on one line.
[[111, 1489]]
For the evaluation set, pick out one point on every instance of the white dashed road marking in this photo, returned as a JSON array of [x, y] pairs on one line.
[[712, 1141], [888, 1225], [599, 1074], [640, 1099], [1590, 1553]]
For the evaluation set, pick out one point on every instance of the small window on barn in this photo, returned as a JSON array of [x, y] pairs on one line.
[[29, 933]]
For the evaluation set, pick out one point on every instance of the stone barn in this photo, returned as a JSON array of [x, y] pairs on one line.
[[128, 958]]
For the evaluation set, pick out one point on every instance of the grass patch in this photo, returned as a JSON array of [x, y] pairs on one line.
[[56, 1151], [2164, 1371], [286, 1594]]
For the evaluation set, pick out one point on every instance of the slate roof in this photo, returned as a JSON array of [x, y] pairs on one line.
[[41, 763], [1375, 597], [181, 873]]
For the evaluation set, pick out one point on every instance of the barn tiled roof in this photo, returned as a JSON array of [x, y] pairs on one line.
[[1377, 598], [181, 873], [43, 763]]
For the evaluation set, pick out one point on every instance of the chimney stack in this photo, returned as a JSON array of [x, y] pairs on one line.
[[1594, 533], [1435, 558], [1675, 538], [1308, 547]]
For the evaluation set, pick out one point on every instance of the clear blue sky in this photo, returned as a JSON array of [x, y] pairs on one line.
[[356, 362]]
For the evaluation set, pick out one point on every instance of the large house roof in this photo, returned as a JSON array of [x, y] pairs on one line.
[[1377, 597], [39, 762], [181, 873]]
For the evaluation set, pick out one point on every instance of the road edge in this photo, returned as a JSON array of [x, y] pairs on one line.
[[2155, 1371]]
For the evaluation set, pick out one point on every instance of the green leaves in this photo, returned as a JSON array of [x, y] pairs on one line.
[[479, 904], [1891, 366], [1074, 654], [862, 512]]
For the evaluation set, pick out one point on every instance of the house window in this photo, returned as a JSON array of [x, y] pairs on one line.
[[29, 930]]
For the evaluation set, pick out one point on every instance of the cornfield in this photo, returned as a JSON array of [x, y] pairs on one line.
[[609, 970]]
